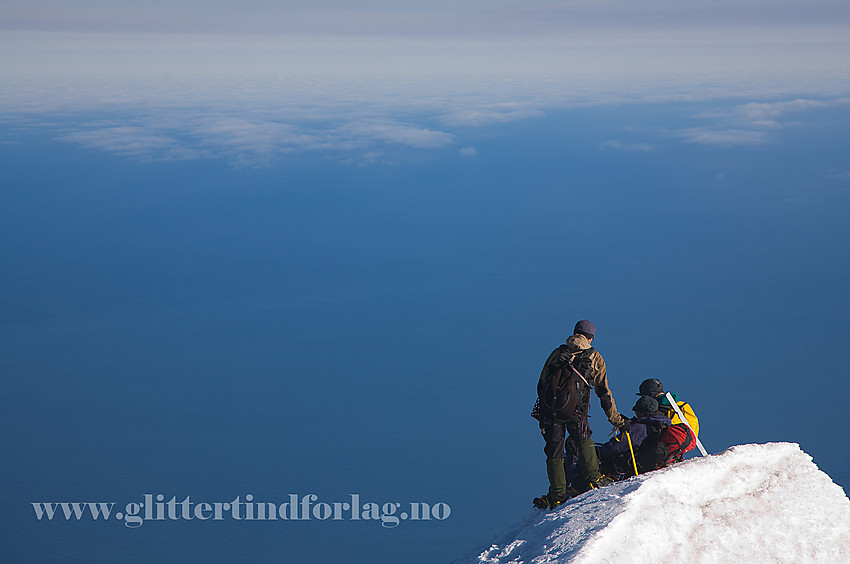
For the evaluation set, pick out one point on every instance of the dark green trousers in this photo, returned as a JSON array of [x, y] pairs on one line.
[[557, 434]]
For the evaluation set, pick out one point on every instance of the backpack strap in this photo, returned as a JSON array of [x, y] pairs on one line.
[[573, 368]]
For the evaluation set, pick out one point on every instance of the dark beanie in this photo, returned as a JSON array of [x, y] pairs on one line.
[[646, 404], [585, 326], [651, 387]]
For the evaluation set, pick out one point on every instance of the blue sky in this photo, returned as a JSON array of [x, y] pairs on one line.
[[213, 213]]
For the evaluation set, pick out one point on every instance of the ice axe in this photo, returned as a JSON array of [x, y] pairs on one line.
[[685, 421], [631, 450]]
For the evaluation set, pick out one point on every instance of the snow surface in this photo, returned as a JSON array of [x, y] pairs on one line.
[[751, 503]]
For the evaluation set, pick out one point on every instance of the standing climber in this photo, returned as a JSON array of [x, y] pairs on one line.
[[563, 398]]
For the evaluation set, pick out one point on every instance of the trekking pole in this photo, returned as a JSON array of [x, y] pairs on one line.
[[631, 450], [685, 421]]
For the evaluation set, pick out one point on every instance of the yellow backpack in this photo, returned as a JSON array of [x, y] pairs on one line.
[[689, 414]]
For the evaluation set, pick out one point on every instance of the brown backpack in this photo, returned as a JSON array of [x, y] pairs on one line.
[[565, 391]]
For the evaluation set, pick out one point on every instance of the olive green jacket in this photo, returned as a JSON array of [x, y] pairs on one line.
[[597, 376]]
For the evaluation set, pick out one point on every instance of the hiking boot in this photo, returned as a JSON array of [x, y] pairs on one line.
[[547, 501], [572, 492], [601, 482]]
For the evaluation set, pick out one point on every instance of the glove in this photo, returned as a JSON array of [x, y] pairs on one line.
[[619, 421], [620, 424]]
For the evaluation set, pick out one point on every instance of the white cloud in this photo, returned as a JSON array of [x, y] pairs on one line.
[[489, 114], [766, 115], [722, 137], [760, 112], [399, 133], [754, 123], [248, 141], [132, 141], [614, 144], [251, 98], [257, 135]]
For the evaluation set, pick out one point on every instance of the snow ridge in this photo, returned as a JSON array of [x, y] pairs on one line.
[[757, 502]]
